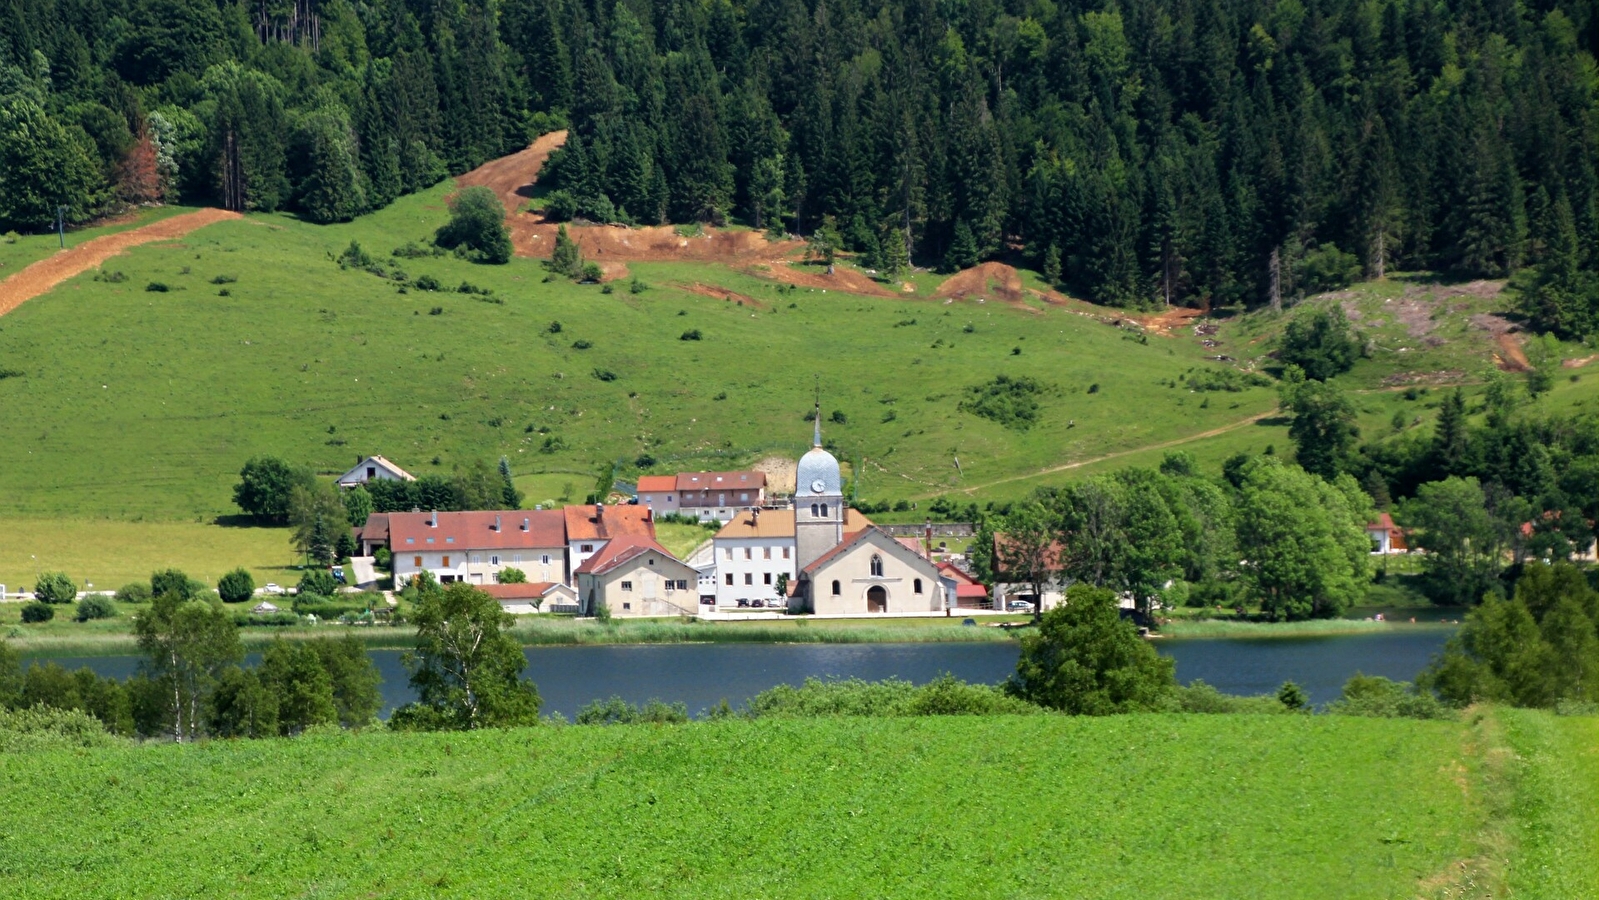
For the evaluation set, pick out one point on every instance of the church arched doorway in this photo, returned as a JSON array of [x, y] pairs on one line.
[[877, 599]]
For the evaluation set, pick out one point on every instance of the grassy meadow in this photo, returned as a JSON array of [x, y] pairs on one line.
[[30, 248], [108, 553], [1150, 806]]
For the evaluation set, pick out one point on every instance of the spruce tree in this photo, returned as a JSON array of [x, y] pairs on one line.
[[895, 259], [962, 253], [566, 260], [510, 497]]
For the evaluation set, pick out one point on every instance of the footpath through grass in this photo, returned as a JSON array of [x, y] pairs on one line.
[[1136, 806]]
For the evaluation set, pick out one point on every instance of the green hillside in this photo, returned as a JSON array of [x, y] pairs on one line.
[[145, 404], [1154, 806]]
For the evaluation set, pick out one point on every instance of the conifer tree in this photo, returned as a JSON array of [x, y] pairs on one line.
[[566, 260], [895, 258]]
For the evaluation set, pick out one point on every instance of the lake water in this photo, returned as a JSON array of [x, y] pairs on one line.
[[702, 675]]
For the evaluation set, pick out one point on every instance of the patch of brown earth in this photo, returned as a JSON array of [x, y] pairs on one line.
[[988, 281], [780, 473], [1406, 379], [52, 270], [1510, 357], [717, 293], [842, 278], [512, 177], [1171, 319], [1577, 363], [612, 271]]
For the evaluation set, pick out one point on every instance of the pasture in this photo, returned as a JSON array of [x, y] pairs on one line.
[[1156, 806]]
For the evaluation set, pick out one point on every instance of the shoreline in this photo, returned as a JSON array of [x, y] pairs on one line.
[[572, 632]]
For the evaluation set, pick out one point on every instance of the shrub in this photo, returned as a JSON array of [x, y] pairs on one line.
[[317, 581], [509, 575], [157, 287], [891, 697], [1011, 402], [413, 250], [581, 345], [113, 277], [137, 592], [236, 587], [617, 711], [35, 611], [10, 373], [1225, 379], [55, 587], [637, 287], [436, 311], [1087, 660], [605, 374], [1378, 697], [96, 606], [426, 283], [224, 279], [354, 257], [477, 227], [1200, 697], [43, 728], [1327, 269], [12, 237], [591, 273], [1321, 343], [554, 328], [693, 334]]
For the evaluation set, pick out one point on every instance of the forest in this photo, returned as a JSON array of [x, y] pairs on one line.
[[1202, 152]]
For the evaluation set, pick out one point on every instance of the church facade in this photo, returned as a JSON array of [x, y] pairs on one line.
[[844, 568]]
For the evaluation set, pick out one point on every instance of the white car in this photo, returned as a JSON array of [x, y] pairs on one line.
[[1019, 606], [270, 588]]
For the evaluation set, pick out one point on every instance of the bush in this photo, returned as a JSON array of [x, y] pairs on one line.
[[318, 581], [1321, 343], [34, 611], [591, 273], [581, 345], [96, 606], [280, 619], [1200, 697], [509, 575], [42, 728], [354, 257], [891, 697], [604, 374], [1378, 697], [693, 334], [137, 592], [157, 287], [426, 283], [224, 279], [236, 587], [1327, 269], [1087, 660], [1225, 379], [1011, 402], [477, 227], [617, 711], [55, 587]]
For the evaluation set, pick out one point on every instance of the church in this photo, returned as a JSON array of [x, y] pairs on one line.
[[845, 565]]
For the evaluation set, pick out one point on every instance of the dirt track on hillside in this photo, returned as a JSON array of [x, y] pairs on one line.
[[52, 270], [512, 178]]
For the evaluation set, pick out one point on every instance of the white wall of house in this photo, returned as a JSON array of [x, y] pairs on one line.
[[478, 566], [748, 568], [648, 585], [578, 552], [845, 584]]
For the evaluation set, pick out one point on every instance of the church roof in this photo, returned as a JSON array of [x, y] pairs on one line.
[[871, 534]]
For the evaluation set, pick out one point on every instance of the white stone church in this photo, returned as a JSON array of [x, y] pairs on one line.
[[836, 562]]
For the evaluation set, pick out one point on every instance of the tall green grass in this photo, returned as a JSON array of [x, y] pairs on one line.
[[1223, 628]]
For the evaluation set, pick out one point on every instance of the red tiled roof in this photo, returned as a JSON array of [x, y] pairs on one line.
[[727, 481], [1054, 556], [375, 529], [950, 570], [657, 483], [848, 541], [597, 523], [475, 530], [530, 591], [618, 551]]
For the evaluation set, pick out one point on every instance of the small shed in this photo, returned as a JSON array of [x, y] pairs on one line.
[[265, 607]]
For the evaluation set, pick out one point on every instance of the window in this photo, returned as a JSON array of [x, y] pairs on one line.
[[650, 561], [729, 553], [747, 553], [430, 540], [627, 586], [877, 566], [682, 584], [729, 579], [744, 496], [824, 510], [917, 587], [785, 553], [417, 561], [494, 560], [446, 561], [544, 560], [768, 577], [670, 585], [627, 605], [837, 589], [766, 552], [371, 471], [749, 578], [585, 548], [815, 510], [449, 540], [410, 540]]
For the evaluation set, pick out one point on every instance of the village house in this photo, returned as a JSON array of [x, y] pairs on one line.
[[532, 597], [754, 550], [1386, 537], [474, 546], [373, 468], [968, 591], [706, 496], [632, 575], [373, 533], [1013, 575], [590, 528]]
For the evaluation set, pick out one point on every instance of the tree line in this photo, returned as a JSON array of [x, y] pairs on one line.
[[1142, 150]]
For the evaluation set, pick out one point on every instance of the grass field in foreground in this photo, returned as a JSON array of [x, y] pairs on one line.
[[1137, 806]]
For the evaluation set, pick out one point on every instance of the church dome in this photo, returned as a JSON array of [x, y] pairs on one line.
[[818, 475]]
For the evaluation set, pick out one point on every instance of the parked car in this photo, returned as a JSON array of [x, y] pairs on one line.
[[270, 588], [743, 601], [338, 574], [1019, 606]]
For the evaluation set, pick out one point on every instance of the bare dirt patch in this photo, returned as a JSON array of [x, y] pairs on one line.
[[1173, 319], [842, 278], [1509, 356], [1577, 363], [717, 293], [512, 177], [988, 281], [780, 473], [1408, 379], [51, 271]]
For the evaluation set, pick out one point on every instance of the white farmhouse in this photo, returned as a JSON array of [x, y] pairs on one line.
[[474, 546], [373, 468]]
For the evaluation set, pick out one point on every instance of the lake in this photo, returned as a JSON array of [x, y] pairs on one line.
[[702, 675]]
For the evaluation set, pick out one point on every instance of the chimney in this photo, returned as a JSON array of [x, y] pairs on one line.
[[524, 523], [755, 516], [928, 534], [497, 523], [433, 520]]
